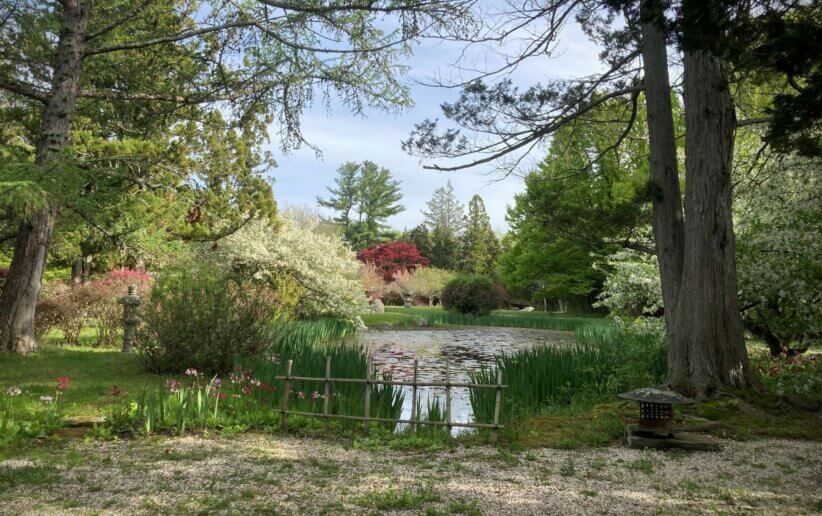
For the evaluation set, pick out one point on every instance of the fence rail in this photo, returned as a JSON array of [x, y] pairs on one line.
[[370, 380]]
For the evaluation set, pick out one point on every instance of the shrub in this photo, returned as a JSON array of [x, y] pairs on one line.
[[203, 318], [93, 304], [472, 294]]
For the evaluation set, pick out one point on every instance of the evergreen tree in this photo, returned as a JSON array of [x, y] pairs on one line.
[[344, 197], [445, 219], [480, 246], [421, 237], [365, 196]]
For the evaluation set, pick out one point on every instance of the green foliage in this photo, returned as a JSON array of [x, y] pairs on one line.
[[480, 247], [200, 317], [500, 318], [308, 350], [20, 420], [573, 211], [195, 405], [604, 362], [365, 196], [472, 295], [445, 220], [797, 375]]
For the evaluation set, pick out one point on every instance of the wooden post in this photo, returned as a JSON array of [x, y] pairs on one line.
[[286, 392], [367, 422], [448, 394], [327, 390], [497, 402], [414, 414]]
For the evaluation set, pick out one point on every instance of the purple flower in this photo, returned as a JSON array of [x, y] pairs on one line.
[[173, 385], [315, 396]]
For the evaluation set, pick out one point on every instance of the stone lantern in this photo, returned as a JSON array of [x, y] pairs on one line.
[[131, 317], [655, 428]]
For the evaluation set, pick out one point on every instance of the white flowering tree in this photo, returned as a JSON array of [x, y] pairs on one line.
[[632, 287], [780, 274], [324, 269]]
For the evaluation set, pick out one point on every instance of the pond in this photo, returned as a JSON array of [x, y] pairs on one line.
[[466, 348]]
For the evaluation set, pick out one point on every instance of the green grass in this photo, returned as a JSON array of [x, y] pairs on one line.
[[93, 372], [406, 317]]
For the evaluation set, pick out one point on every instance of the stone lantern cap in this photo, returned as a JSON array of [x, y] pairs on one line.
[[658, 395]]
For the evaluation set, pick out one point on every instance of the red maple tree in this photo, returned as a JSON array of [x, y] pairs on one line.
[[392, 258]]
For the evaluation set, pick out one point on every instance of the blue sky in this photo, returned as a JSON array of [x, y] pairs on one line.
[[376, 136]]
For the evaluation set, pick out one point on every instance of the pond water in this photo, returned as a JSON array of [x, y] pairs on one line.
[[465, 348]]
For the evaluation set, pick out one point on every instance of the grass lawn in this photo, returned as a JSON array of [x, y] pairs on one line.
[[400, 317], [93, 372]]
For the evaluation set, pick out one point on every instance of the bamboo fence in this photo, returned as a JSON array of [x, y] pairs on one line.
[[370, 380]]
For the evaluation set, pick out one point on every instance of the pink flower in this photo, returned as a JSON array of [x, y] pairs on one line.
[[315, 396], [63, 383], [300, 395], [191, 372], [173, 385], [216, 382]]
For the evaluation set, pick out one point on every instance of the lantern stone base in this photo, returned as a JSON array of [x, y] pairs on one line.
[[682, 440]]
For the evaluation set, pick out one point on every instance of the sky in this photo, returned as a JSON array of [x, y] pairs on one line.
[[376, 136]]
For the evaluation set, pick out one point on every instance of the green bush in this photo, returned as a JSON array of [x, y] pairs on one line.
[[473, 294], [204, 319]]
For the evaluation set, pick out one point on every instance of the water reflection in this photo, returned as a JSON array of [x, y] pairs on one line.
[[466, 349]]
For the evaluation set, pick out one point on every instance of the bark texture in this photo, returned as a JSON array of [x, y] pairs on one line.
[[18, 300], [668, 224], [706, 347]]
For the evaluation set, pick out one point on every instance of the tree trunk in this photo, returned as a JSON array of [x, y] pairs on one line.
[[19, 298], [668, 224], [707, 347]]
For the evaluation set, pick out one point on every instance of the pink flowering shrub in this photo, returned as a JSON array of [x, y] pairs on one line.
[[93, 304]]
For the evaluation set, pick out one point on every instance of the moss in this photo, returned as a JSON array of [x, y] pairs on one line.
[[600, 426], [749, 415]]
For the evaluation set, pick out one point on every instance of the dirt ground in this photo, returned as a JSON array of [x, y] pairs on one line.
[[258, 473]]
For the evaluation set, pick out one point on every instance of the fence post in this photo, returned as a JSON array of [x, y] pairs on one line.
[[448, 394], [497, 402], [414, 414], [286, 392], [327, 390], [367, 422]]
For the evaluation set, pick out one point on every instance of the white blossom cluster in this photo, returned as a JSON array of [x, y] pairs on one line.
[[321, 264], [632, 288]]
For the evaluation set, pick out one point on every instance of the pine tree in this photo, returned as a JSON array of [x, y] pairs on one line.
[[365, 196], [445, 220], [344, 197], [421, 237], [480, 246]]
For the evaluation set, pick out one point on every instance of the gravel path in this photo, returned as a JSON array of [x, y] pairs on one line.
[[268, 474]]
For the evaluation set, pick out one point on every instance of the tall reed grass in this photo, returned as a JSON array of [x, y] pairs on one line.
[[604, 361], [347, 361], [509, 319]]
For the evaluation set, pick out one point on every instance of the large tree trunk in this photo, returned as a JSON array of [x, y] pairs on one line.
[[668, 226], [707, 348], [19, 298]]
